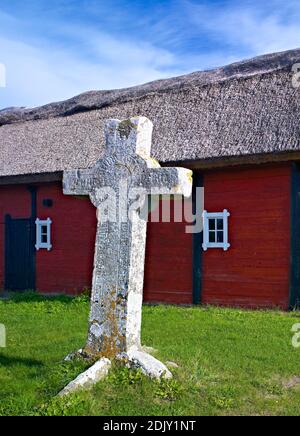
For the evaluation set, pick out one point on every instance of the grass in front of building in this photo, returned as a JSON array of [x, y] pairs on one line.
[[231, 362]]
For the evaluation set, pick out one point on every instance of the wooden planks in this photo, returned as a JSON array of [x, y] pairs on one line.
[[254, 272]]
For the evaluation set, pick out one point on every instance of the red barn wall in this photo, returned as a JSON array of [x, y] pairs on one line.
[[254, 272], [169, 262], [68, 267], [14, 201]]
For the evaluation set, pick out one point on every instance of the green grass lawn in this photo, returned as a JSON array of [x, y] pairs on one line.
[[231, 362]]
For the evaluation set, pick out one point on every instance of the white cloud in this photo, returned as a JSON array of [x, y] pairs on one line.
[[41, 71], [251, 29], [78, 58], [37, 76], [2, 76]]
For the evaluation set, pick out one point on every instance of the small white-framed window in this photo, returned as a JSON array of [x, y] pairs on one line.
[[215, 230], [43, 234]]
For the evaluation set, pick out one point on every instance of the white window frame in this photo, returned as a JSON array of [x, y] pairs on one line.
[[216, 215], [39, 244]]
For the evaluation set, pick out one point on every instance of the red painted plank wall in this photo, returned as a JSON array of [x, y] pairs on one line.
[[169, 263], [15, 201], [68, 267], [254, 272]]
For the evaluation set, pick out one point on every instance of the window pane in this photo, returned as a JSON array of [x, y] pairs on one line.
[[211, 224], [44, 230], [220, 236], [212, 236], [220, 224], [44, 239]]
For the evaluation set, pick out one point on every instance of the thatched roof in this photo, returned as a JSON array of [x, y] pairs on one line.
[[244, 109]]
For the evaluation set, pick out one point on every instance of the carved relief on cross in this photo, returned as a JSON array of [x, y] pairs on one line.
[[125, 175]]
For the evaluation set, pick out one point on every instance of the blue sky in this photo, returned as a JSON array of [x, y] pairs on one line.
[[53, 50]]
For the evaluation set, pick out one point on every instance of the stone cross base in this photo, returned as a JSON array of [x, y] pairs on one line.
[[134, 359], [148, 364], [88, 378]]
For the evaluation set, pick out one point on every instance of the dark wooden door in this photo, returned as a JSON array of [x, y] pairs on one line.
[[19, 254]]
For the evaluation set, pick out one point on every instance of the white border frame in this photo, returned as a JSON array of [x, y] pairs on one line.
[[39, 244], [219, 215]]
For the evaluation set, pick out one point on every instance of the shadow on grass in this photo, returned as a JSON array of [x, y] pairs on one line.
[[9, 361], [33, 297]]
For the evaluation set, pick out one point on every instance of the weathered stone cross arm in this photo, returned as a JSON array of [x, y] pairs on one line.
[[156, 181], [168, 181], [82, 182]]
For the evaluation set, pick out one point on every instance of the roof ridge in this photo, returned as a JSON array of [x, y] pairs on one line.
[[93, 100]]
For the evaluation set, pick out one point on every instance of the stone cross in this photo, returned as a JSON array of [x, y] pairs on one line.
[[118, 186]]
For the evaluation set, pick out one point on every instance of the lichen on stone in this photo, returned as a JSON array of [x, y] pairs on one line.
[[125, 127]]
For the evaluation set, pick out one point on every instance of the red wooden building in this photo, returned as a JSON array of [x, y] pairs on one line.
[[237, 127]]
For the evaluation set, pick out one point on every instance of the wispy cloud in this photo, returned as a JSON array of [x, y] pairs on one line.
[[36, 76], [39, 74], [250, 27], [52, 53]]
